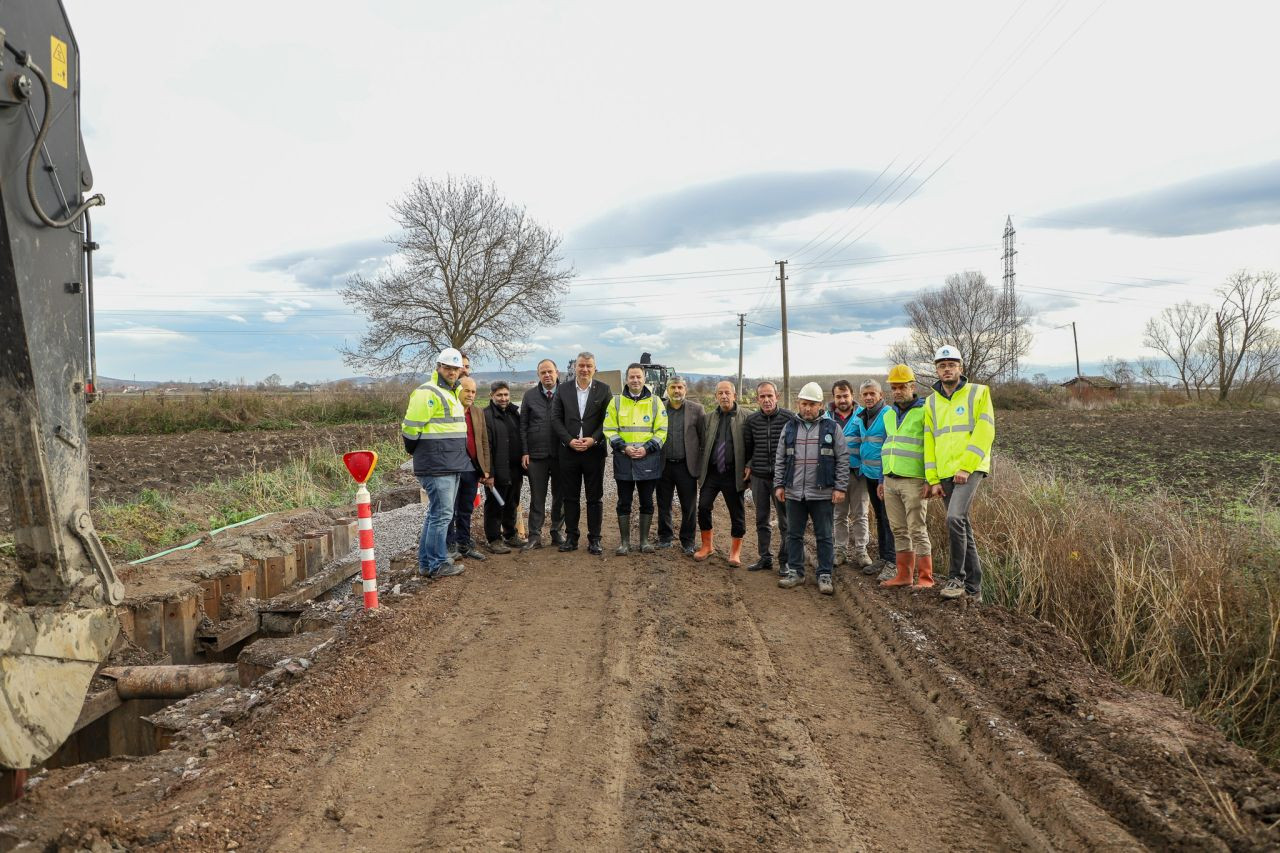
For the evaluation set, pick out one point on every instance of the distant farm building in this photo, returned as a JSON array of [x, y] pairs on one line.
[[1092, 388]]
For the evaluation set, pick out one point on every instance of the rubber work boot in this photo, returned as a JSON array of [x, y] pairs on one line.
[[906, 562], [735, 553], [624, 533], [924, 572], [646, 522], [763, 564], [707, 548]]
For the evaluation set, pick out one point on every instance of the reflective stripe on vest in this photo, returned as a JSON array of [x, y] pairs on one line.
[[651, 427], [903, 454]]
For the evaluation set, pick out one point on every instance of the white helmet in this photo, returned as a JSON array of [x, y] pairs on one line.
[[449, 357], [947, 353], [811, 391]]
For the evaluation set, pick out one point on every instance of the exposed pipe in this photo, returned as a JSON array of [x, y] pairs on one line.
[[169, 682]]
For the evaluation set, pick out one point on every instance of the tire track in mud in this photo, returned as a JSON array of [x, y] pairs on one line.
[[640, 703], [507, 738]]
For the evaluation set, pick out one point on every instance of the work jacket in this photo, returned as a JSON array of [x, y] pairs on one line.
[[812, 460], [904, 440], [434, 430], [865, 438], [504, 441], [958, 431], [761, 435], [695, 426], [480, 435], [739, 447], [536, 436], [636, 421]]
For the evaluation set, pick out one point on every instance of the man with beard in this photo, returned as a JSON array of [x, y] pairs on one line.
[[681, 455], [812, 474], [850, 518], [434, 430], [503, 421], [959, 430]]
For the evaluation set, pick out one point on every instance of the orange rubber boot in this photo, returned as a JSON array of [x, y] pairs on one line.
[[735, 553], [706, 550], [906, 562], [924, 572]]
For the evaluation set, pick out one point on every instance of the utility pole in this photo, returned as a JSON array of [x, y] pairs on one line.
[[786, 360], [1009, 320], [742, 321], [1076, 341]]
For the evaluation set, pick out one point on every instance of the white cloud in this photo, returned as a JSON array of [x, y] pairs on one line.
[[865, 86], [144, 335]]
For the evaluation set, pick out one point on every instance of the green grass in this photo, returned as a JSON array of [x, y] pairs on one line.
[[153, 521]]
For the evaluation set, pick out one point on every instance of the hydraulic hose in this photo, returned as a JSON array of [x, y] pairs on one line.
[[95, 200]]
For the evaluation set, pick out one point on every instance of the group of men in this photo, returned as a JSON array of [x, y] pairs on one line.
[[823, 466]]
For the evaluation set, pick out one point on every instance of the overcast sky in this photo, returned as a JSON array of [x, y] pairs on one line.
[[249, 151]]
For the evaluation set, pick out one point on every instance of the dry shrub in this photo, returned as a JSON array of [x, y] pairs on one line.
[[1165, 596], [231, 411]]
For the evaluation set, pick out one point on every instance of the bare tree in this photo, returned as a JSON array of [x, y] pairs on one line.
[[472, 271], [1259, 374], [968, 313], [1250, 301], [1179, 333]]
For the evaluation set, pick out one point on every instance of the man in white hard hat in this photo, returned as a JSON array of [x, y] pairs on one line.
[[811, 473], [434, 430], [959, 429]]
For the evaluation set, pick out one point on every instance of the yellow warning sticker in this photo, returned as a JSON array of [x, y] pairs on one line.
[[58, 61]]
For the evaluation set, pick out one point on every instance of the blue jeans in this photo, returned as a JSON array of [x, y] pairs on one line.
[[441, 492], [798, 515], [463, 507]]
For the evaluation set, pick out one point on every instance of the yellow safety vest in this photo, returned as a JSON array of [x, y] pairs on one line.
[[959, 432]]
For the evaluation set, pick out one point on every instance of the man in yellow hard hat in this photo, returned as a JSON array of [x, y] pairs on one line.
[[959, 429], [903, 487]]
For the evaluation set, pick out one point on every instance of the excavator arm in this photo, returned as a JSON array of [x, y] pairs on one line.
[[57, 616]]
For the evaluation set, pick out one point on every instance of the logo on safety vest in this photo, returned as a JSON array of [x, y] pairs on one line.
[[959, 410], [646, 418], [827, 438]]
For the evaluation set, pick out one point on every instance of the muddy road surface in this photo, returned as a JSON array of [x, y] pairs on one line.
[[623, 704]]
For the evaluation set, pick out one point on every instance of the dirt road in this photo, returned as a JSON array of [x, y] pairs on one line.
[[636, 703]]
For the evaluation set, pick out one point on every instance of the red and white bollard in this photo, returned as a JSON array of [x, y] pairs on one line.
[[361, 464], [368, 565]]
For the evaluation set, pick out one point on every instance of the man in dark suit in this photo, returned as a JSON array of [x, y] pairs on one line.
[[682, 456], [541, 455], [577, 417]]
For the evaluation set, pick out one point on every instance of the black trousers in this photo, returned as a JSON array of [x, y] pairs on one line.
[[722, 484], [884, 533], [500, 521], [542, 471], [763, 497], [628, 487], [677, 480], [582, 471]]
